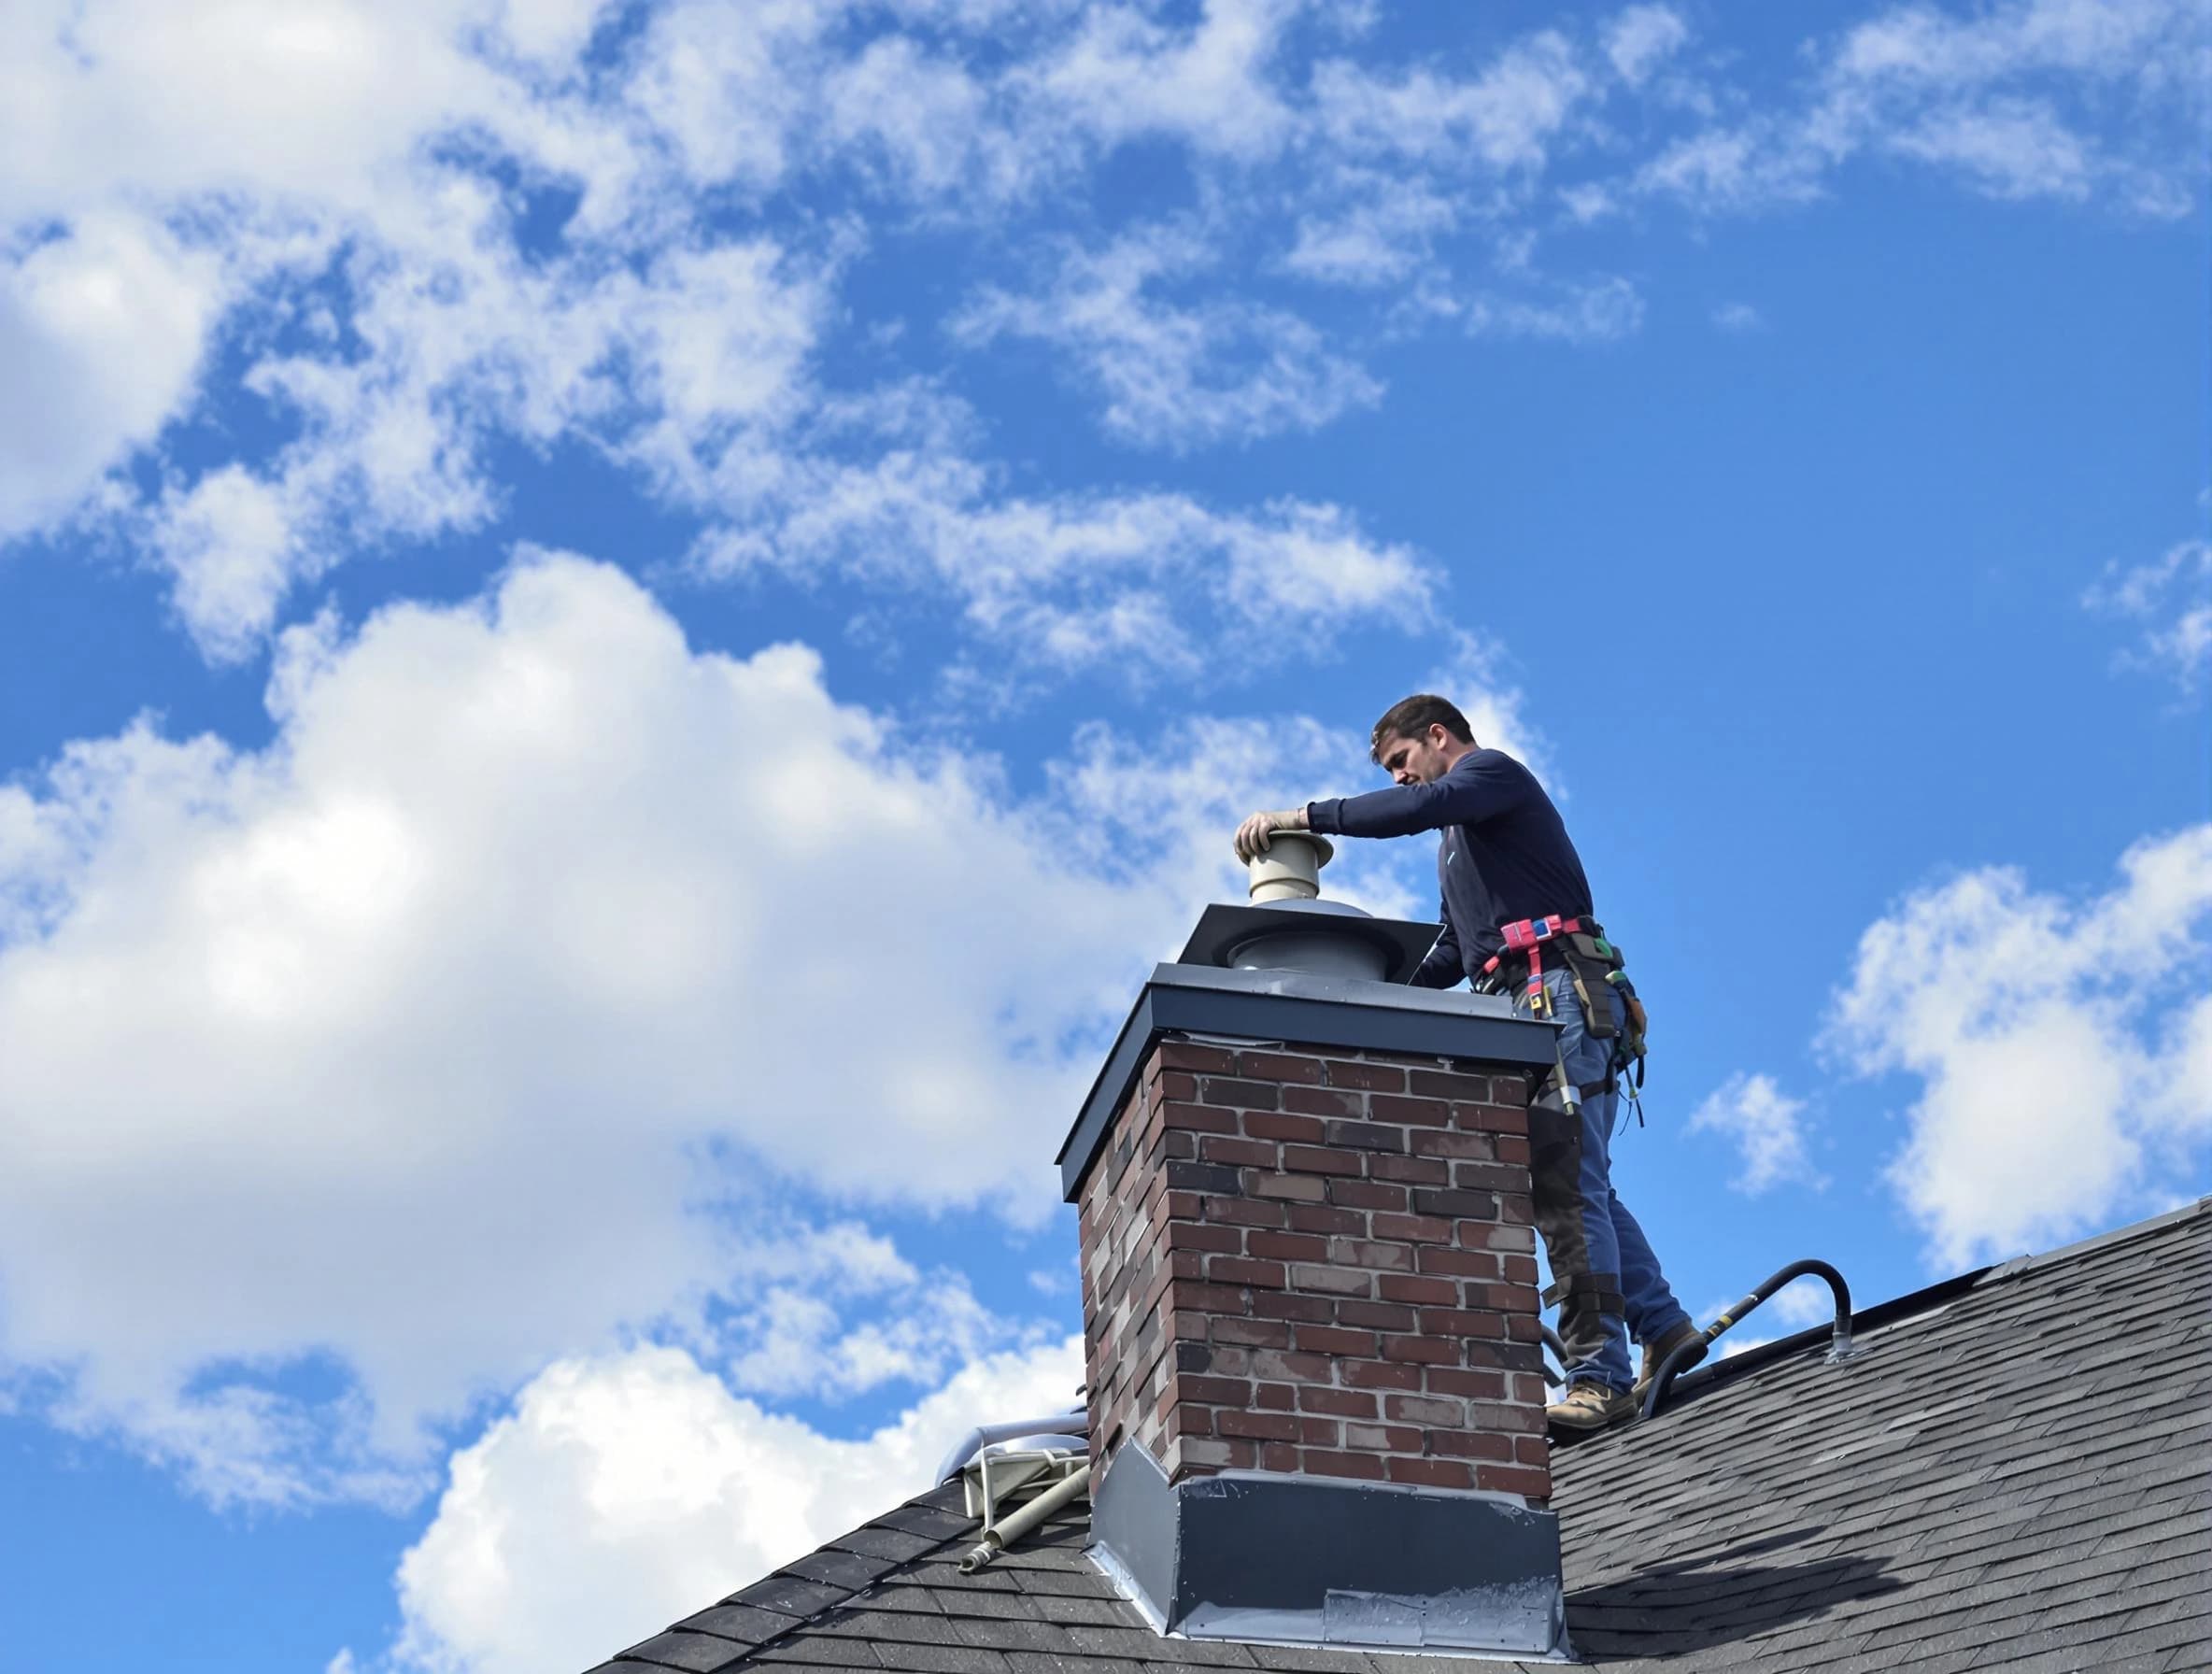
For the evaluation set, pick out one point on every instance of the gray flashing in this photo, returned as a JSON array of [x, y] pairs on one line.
[[1297, 1008], [1224, 928], [1254, 1555]]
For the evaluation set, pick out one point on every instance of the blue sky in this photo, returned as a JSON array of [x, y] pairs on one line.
[[624, 628]]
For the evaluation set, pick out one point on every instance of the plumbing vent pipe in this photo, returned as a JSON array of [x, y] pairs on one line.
[[1289, 868]]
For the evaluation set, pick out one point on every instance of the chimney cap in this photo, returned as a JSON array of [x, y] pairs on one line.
[[1223, 928]]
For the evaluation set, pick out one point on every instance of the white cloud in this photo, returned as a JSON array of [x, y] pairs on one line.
[[1766, 1127], [1170, 374], [2055, 1045], [1739, 319], [1505, 118], [2173, 595], [1642, 39], [628, 1492], [537, 943], [103, 331], [1602, 311]]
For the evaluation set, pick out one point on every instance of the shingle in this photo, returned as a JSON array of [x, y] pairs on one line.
[[940, 1659], [819, 1652], [896, 1545], [740, 1621], [790, 1595], [694, 1653], [845, 1569]]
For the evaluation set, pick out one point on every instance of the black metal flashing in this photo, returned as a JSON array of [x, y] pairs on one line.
[[1297, 1008], [1257, 1556]]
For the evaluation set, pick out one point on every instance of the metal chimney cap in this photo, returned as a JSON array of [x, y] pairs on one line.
[[1222, 932]]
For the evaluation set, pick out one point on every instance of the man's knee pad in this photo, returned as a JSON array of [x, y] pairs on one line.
[[1555, 1185]]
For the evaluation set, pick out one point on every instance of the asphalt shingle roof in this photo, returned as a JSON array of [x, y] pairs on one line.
[[2017, 1474]]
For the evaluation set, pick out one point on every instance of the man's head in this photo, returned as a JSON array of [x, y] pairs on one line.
[[1417, 740]]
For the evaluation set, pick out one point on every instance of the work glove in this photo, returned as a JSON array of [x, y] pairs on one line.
[[1254, 834]]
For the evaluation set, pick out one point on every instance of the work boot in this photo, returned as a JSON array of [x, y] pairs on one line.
[[1589, 1406], [1655, 1355]]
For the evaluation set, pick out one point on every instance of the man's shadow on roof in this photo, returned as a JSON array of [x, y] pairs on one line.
[[1693, 1604]]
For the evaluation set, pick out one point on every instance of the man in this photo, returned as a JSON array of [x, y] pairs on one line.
[[1504, 862]]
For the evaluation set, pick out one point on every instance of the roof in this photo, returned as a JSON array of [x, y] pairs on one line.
[[2016, 1474]]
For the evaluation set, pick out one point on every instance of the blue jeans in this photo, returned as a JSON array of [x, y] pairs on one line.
[[1616, 1244]]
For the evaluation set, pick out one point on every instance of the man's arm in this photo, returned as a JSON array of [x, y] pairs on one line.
[[1462, 797], [1251, 836], [1444, 966]]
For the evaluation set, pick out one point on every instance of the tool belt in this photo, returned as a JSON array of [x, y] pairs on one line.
[[1594, 963]]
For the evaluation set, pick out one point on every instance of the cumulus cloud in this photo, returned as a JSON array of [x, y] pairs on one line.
[[2172, 596], [1170, 374], [2058, 1046], [1768, 1128], [628, 1491], [538, 943]]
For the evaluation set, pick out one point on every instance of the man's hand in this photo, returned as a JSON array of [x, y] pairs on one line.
[[1254, 834]]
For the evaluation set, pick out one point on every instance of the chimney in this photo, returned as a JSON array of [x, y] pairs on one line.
[[1310, 1292]]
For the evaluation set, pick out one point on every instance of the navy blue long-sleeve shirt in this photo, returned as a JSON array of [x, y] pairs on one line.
[[1505, 854]]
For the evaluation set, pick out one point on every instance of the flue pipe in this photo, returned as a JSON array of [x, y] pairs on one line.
[[1289, 868], [1013, 1527]]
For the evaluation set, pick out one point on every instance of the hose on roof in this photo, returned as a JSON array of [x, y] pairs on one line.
[[1839, 1346]]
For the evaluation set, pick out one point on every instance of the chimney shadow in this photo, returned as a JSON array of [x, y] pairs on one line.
[[1678, 1608]]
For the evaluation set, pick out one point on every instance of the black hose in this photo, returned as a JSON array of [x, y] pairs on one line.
[[1840, 1345]]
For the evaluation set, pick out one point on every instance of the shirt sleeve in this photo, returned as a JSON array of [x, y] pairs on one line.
[[1466, 796]]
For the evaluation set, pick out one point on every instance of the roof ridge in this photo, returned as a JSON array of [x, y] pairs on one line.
[[2117, 1235]]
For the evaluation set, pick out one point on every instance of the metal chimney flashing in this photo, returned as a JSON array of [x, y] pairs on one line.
[[1230, 935], [1259, 1006], [1300, 1560]]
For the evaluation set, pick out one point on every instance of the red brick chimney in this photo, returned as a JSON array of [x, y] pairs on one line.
[[1318, 1263], [1310, 1298]]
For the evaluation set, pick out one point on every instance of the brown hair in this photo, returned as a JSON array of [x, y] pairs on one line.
[[1409, 718]]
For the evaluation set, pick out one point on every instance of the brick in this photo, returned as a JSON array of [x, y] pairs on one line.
[[1202, 1177], [1489, 1177], [1366, 1194], [1184, 1054], [1237, 1152], [1319, 1159], [1332, 1281], [1375, 1316], [1194, 1451], [1273, 1125], [1515, 1479], [1286, 1246], [1360, 1135], [1256, 1333], [1412, 1113], [1300, 1367], [1276, 1066], [1311, 1102], [1512, 1148], [1410, 1170], [1322, 1462], [1480, 1206], [1480, 1384], [1414, 1228], [1482, 1444], [1384, 1438], [1197, 1235], [1364, 1252], [1448, 1322], [1405, 1287], [1521, 1240], [1244, 1095], [1449, 1083], [1532, 1450], [1450, 1142], [1368, 1077], [1314, 1217], [1261, 1426], [1197, 1118], [1242, 1270], [1427, 1351], [1434, 1473], [1493, 1118], [1241, 1212], [1304, 1188], [1333, 1340], [1213, 1299], [1425, 1409], [1378, 1374], [1218, 1392], [1519, 1270], [1343, 1404], [1278, 1456], [1289, 1305]]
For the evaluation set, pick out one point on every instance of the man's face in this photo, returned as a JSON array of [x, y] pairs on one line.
[[1416, 760]]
